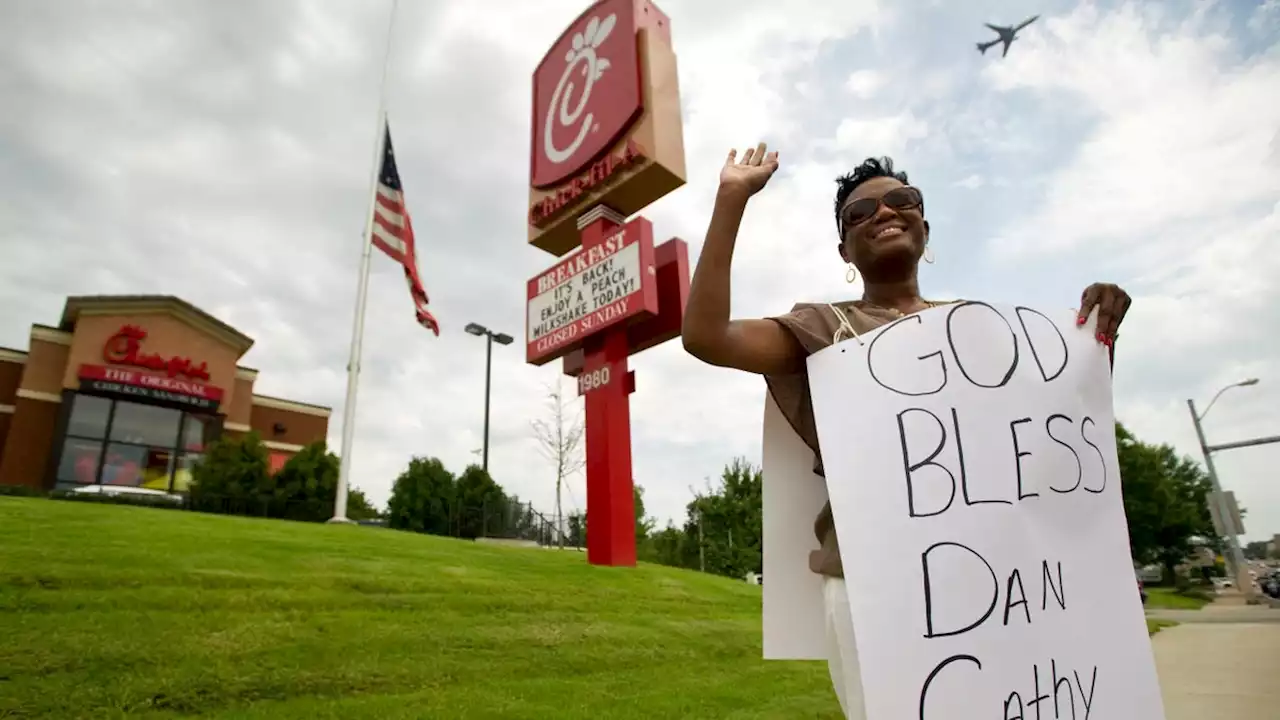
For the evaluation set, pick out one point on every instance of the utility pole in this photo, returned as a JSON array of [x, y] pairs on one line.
[[1236, 559]]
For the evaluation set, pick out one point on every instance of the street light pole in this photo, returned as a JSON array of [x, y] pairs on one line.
[[490, 338], [1236, 556], [488, 372]]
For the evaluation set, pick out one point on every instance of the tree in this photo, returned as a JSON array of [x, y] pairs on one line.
[[644, 524], [725, 525], [233, 477], [1164, 502], [477, 498], [671, 546], [422, 498], [306, 486], [1257, 550], [560, 439], [359, 507]]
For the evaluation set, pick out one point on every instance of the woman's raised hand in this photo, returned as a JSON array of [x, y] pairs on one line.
[[751, 173]]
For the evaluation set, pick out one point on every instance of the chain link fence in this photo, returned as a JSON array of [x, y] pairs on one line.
[[517, 521]]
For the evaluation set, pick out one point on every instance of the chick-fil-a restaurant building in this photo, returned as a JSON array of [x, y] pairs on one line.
[[129, 391]]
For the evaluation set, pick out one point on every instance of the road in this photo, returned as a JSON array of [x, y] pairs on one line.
[[1221, 662]]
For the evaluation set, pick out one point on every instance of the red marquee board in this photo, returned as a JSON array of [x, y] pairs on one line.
[[593, 289], [672, 261]]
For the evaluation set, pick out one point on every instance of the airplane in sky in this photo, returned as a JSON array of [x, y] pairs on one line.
[[1006, 36]]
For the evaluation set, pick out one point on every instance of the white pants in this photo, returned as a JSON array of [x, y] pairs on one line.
[[842, 652]]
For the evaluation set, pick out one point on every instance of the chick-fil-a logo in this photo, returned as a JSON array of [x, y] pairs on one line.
[[586, 92], [125, 348], [584, 50]]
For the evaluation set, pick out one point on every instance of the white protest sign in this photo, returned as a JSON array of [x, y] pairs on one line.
[[973, 447], [793, 614]]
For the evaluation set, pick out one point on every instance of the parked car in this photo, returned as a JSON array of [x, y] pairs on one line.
[[127, 490], [1270, 585]]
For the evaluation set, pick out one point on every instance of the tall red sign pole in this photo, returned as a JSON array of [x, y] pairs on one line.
[[606, 143], [611, 534]]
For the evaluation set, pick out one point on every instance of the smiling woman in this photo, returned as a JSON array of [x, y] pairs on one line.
[[883, 236]]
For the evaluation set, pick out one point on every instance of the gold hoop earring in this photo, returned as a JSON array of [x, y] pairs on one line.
[[851, 275], [928, 255]]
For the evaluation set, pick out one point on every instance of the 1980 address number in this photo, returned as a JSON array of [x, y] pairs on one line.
[[593, 380]]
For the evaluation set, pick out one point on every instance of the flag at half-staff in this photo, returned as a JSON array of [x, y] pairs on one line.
[[392, 232]]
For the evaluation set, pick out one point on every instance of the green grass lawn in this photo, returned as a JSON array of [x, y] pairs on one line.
[[108, 611], [1170, 599], [1155, 626]]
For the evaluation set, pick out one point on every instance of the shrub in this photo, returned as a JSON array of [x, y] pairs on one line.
[[233, 478], [359, 507], [1182, 584], [1197, 593], [422, 498], [477, 498], [306, 486], [20, 491]]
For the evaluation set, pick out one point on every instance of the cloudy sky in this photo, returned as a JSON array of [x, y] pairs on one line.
[[221, 151]]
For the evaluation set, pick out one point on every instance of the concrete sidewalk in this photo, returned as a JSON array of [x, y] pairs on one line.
[[1219, 668], [1220, 613]]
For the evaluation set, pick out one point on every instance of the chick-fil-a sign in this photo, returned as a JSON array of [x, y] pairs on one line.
[[125, 348]]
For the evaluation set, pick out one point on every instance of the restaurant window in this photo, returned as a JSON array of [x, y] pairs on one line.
[[123, 443], [197, 432], [145, 424], [89, 417]]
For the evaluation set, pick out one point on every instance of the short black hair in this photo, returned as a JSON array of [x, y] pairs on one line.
[[870, 168]]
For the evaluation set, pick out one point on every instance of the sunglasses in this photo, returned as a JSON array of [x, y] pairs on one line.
[[863, 209]]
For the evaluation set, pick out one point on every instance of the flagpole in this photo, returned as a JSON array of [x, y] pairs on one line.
[[362, 292]]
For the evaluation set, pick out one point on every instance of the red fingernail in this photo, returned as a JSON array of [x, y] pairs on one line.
[[1079, 321], [1102, 338]]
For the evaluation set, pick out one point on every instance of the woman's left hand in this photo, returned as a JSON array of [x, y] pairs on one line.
[[1112, 303]]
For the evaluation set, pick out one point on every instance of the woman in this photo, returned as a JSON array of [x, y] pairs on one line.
[[883, 236]]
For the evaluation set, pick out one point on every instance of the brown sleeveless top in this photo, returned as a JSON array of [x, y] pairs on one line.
[[815, 326]]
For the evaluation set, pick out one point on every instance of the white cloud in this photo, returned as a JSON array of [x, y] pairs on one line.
[[1265, 17], [880, 135], [1171, 185], [1181, 130], [863, 84]]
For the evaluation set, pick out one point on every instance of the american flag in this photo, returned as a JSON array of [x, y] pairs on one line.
[[393, 233]]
